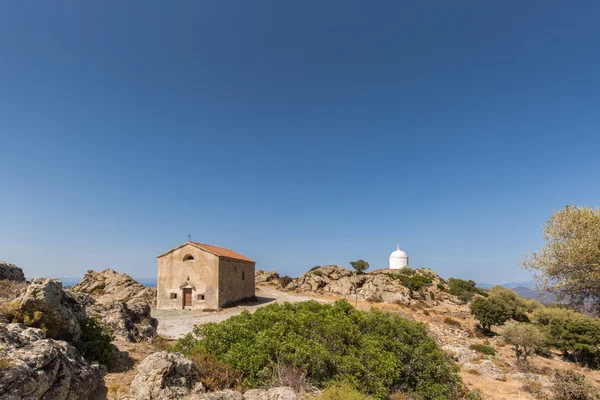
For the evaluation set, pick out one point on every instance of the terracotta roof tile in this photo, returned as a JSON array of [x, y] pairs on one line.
[[222, 252]]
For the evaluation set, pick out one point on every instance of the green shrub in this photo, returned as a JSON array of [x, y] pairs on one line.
[[518, 306], [489, 312], [573, 333], [571, 385], [342, 391], [360, 266], [441, 286], [525, 338], [407, 271], [487, 350], [285, 280], [457, 287], [466, 297], [216, 375], [316, 267], [451, 321], [417, 282], [374, 352], [94, 344]]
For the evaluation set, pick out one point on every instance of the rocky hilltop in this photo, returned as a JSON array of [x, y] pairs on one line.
[[405, 287], [123, 303], [11, 272], [108, 286]]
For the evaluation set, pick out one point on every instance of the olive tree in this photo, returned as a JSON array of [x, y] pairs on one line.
[[489, 312], [360, 266], [525, 338], [569, 263]]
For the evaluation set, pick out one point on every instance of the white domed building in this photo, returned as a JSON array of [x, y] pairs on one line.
[[398, 259]]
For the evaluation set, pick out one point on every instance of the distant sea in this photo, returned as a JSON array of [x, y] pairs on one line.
[[71, 281]]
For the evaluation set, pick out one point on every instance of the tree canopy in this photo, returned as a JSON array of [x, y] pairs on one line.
[[569, 263], [360, 266]]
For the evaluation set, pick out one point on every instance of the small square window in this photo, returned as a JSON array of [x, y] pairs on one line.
[[173, 296], [200, 297]]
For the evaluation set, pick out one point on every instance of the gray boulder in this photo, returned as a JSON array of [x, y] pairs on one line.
[[11, 272], [266, 276], [59, 312], [123, 303], [278, 393], [166, 376], [40, 368], [220, 395], [108, 286]]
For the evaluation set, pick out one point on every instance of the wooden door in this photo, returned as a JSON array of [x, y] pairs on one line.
[[187, 297]]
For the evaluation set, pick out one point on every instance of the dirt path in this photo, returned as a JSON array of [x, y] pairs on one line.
[[175, 324]]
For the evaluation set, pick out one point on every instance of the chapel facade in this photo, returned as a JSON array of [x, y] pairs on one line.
[[199, 276]]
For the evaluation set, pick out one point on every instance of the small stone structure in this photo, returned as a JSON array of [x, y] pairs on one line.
[[200, 276]]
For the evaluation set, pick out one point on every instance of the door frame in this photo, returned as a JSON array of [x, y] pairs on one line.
[[183, 297]]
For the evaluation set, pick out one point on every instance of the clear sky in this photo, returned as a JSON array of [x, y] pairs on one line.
[[296, 133]]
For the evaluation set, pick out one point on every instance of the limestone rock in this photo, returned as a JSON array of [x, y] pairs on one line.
[[343, 282], [56, 309], [41, 368], [11, 272], [487, 369], [278, 393], [220, 395], [122, 303], [165, 376], [266, 276], [109, 286]]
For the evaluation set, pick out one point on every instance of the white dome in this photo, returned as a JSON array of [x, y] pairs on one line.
[[398, 259]]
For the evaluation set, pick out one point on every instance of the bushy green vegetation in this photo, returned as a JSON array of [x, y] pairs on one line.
[[524, 337], [285, 280], [464, 289], [487, 350], [571, 385], [407, 271], [489, 312], [360, 266], [376, 353], [517, 306], [569, 263], [342, 391], [573, 333], [414, 283], [94, 344], [417, 282]]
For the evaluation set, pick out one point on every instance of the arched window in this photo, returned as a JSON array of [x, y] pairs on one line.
[[188, 257]]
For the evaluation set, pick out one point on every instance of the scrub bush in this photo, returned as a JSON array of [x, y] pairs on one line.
[[487, 350], [376, 353]]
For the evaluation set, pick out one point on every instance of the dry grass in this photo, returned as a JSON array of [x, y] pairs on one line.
[[451, 321], [216, 375]]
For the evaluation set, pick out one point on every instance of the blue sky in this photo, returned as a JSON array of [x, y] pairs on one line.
[[298, 134]]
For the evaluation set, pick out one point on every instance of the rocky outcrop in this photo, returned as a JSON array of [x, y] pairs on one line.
[[34, 367], [165, 376], [122, 303], [47, 303], [472, 361], [343, 282], [11, 272], [109, 286], [266, 276]]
